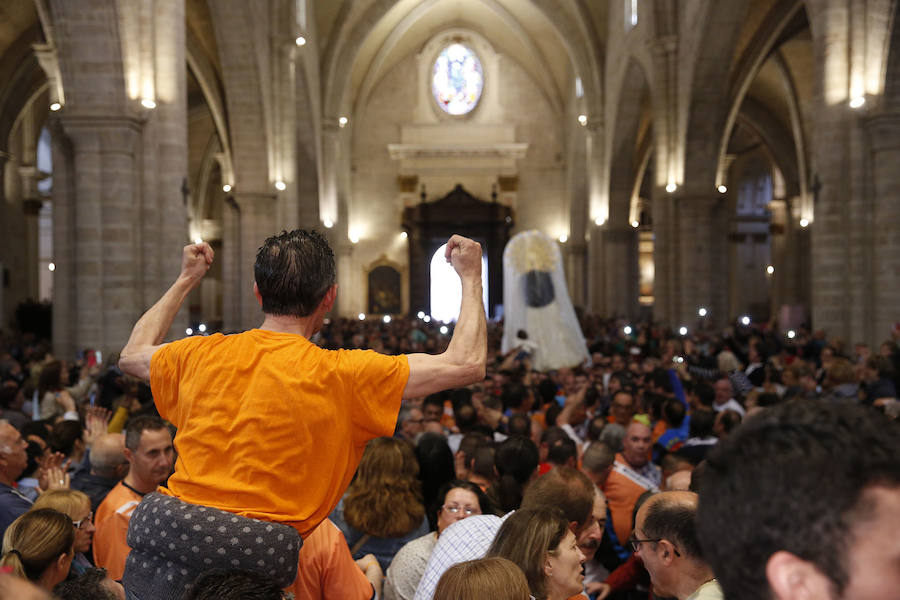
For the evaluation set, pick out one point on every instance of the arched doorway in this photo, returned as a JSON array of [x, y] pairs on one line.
[[430, 224]]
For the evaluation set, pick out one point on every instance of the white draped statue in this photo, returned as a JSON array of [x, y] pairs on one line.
[[536, 301]]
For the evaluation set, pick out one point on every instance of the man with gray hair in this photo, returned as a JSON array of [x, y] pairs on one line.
[[665, 539], [108, 467], [13, 460], [410, 422]]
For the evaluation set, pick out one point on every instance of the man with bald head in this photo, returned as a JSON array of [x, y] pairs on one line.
[[665, 539], [631, 476], [108, 467]]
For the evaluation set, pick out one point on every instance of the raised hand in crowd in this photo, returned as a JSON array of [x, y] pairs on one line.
[[53, 474], [96, 422]]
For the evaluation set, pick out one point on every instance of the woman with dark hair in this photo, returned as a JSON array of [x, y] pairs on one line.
[[540, 542], [458, 500], [57, 397], [516, 461], [436, 467], [382, 509]]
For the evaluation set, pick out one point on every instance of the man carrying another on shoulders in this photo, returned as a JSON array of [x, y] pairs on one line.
[[271, 427]]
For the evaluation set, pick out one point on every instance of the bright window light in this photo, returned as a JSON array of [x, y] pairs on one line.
[[446, 289]]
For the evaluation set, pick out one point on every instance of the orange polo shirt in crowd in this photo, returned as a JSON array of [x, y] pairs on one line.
[[327, 570], [270, 426], [111, 523], [621, 494]]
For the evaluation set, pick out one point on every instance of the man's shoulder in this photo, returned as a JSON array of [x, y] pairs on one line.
[[119, 500]]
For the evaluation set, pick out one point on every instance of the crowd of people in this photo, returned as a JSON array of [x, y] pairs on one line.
[[655, 469]]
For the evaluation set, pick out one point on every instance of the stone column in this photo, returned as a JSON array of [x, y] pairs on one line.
[[94, 225], [620, 270], [3, 213], [781, 278], [258, 216], [170, 130], [31, 208], [233, 280], [690, 258], [884, 140], [328, 199], [664, 254]]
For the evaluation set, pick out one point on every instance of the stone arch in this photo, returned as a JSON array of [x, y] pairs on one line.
[[623, 150], [343, 51], [778, 143], [892, 68], [409, 21], [24, 80], [99, 89], [706, 103], [235, 24], [783, 17]]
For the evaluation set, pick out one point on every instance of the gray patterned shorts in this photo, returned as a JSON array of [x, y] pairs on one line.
[[172, 542]]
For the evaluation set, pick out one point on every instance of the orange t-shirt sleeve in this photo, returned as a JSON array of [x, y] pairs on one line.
[[376, 383], [166, 367]]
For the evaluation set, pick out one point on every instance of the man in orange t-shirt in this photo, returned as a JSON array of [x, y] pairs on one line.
[[149, 451], [327, 570], [270, 426], [631, 476]]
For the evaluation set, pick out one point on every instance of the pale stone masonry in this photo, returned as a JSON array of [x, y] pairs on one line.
[[590, 118]]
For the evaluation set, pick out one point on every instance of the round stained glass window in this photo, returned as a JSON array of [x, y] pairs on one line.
[[457, 80]]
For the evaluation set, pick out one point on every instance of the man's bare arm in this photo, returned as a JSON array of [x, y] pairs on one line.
[[149, 331], [463, 362]]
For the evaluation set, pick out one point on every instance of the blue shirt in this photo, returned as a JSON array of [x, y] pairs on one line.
[[13, 504]]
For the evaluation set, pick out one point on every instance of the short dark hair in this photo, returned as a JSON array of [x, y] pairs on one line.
[[702, 422], [705, 393], [673, 411], [135, 427], [564, 488], [514, 394], [64, 436], [516, 460], [233, 584], [88, 586], [293, 271], [561, 451], [519, 424], [674, 521], [8, 395], [763, 486], [483, 502]]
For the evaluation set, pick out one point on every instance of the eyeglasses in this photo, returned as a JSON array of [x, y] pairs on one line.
[[635, 544], [84, 521], [454, 509]]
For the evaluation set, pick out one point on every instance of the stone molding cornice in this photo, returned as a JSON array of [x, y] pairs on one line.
[[509, 151]]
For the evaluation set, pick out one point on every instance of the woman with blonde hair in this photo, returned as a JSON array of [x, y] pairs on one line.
[[493, 578], [382, 509], [541, 543], [38, 547], [77, 505]]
